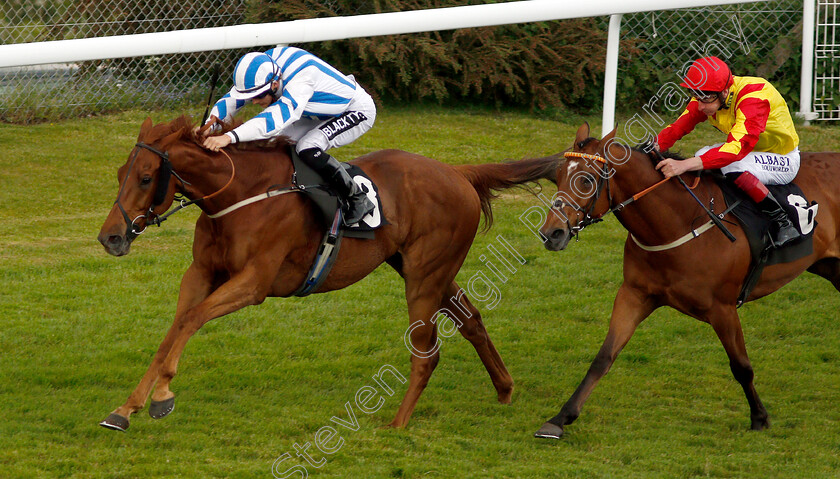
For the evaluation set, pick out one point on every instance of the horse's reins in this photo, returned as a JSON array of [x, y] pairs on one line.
[[715, 219], [588, 219]]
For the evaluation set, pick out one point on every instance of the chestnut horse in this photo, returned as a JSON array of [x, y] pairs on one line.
[[701, 278], [266, 248]]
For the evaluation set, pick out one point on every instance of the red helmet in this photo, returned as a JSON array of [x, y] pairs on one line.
[[709, 74]]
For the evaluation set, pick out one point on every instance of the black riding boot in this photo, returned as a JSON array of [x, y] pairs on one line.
[[354, 202], [784, 229]]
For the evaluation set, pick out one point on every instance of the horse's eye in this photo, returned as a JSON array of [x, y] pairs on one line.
[[146, 180], [558, 204]]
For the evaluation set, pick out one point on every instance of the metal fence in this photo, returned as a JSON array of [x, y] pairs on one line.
[[827, 61], [71, 90], [762, 39], [755, 39]]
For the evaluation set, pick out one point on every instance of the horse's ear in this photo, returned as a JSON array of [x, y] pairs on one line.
[[582, 133], [609, 136], [145, 127], [606, 140]]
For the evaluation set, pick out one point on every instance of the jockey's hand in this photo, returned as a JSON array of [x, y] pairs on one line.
[[208, 128], [671, 167], [216, 143]]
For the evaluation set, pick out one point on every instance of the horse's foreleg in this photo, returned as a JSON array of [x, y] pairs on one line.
[[195, 287], [727, 325], [240, 291], [631, 307], [472, 328]]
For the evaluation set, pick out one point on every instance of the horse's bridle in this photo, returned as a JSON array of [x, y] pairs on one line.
[[589, 208], [603, 181], [165, 174], [164, 177]]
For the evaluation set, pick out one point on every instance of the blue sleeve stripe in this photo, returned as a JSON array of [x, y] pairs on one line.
[[269, 121], [325, 69], [240, 103], [292, 58], [329, 98], [284, 110], [292, 100], [221, 106]]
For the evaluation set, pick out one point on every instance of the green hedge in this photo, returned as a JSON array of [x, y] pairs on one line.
[[536, 65]]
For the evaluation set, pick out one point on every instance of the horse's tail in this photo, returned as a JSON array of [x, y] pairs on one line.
[[491, 177]]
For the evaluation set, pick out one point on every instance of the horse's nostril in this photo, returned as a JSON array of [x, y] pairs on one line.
[[556, 234]]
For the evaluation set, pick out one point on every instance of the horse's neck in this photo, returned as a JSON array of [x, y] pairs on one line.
[[249, 172], [660, 216]]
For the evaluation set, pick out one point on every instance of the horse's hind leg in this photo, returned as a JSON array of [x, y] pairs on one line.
[[455, 302], [195, 287], [727, 325], [828, 268], [421, 338]]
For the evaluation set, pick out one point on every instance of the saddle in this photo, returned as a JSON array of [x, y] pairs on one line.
[[314, 186], [757, 227]]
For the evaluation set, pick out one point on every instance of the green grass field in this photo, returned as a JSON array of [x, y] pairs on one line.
[[79, 328]]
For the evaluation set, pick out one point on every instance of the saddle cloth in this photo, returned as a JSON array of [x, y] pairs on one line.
[[757, 225], [317, 189]]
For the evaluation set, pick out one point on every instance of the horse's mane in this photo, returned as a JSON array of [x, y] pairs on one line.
[[186, 125], [644, 148]]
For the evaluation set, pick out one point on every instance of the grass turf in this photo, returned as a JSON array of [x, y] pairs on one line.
[[80, 327]]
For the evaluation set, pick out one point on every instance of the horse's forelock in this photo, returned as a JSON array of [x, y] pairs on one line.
[[582, 144]]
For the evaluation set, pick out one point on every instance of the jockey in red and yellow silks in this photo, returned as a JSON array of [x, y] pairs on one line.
[[754, 116], [761, 145]]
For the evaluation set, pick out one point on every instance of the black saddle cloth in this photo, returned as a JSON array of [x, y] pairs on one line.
[[757, 225], [317, 189]]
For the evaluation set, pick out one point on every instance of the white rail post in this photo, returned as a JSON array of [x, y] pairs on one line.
[[806, 85], [611, 75]]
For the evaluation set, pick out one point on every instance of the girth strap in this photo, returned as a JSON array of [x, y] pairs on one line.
[[324, 260]]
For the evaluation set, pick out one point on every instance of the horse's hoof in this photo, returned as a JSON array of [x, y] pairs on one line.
[[506, 396], [549, 431], [116, 422], [760, 425], [159, 409]]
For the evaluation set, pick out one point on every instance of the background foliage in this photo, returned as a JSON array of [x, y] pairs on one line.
[[535, 65]]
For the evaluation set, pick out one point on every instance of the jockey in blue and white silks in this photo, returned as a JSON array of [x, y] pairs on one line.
[[307, 100]]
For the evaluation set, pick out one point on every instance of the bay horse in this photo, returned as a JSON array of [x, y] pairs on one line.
[[266, 248], [701, 278]]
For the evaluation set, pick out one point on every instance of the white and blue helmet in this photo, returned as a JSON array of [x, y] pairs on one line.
[[253, 75]]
